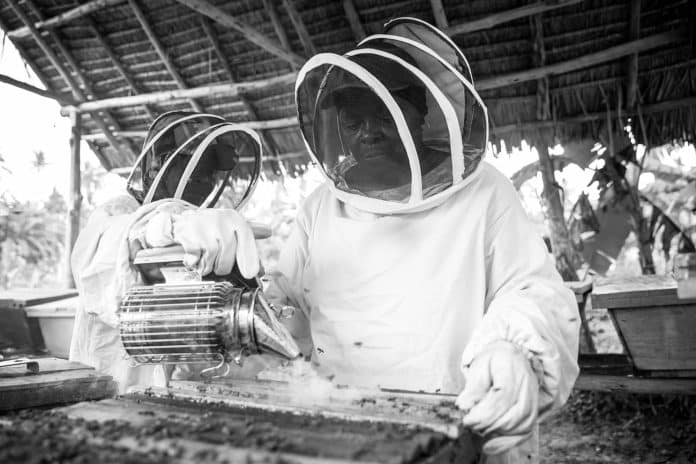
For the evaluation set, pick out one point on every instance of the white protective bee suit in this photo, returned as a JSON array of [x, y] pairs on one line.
[[403, 284], [187, 161]]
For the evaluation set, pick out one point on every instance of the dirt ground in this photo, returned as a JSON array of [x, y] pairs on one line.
[[621, 428]]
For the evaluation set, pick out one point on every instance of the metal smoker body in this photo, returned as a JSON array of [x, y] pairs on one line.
[[189, 320]]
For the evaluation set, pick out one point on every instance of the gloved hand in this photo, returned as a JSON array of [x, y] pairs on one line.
[[214, 239], [159, 231], [501, 397]]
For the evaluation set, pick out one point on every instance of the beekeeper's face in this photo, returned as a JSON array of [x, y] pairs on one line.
[[369, 134]]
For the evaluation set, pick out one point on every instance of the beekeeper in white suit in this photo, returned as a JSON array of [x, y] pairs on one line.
[[187, 160], [414, 265]]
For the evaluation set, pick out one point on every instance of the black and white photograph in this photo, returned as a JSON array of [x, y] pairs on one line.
[[347, 231]]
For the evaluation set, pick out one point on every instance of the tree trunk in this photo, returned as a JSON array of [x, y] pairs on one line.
[[567, 260]]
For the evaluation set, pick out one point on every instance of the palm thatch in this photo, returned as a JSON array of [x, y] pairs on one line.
[[549, 70]]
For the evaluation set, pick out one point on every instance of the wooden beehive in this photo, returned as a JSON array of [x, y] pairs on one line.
[[656, 327]]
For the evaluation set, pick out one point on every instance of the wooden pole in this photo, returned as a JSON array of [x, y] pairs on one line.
[[35, 90], [230, 89], [632, 61], [439, 14], [251, 34], [562, 246], [70, 15], [74, 196], [300, 28], [354, 20], [509, 15], [581, 62]]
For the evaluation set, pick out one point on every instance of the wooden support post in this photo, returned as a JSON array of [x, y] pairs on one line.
[[632, 60], [70, 15], [353, 19], [74, 196]]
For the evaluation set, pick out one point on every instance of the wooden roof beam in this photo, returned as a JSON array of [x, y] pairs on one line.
[[251, 34], [154, 40], [270, 8], [70, 15], [581, 62], [79, 74], [222, 58], [77, 93], [632, 60], [300, 28], [354, 20], [231, 89], [280, 123], [495, 19], [35, 90], [117, 63], [439, 14]]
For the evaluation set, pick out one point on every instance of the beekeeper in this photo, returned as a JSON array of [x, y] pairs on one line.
[[414, 265], [187, 160]]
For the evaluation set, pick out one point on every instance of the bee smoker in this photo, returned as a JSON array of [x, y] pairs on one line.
[[182, 318]]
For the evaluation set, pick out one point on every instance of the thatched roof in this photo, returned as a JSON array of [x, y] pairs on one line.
[[545, 68]]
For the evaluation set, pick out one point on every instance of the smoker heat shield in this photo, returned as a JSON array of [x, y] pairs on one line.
[[200, 322]]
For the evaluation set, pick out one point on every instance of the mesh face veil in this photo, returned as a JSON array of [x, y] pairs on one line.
[[196, 157], [395, 124]]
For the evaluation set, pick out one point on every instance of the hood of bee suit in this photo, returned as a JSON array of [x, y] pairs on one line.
[[196, 157], [395, 124]]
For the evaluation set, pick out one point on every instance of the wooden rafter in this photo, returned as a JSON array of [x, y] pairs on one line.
[[509, 15], [107, 117], [232, 89], [581, 62], [222, 58], [300, 28], [164, 57], [35, 90], [70, 15], [439, 14], [354, 20], [77, 93], [270, 8], [251, 34], [116, 62], [632, 60]]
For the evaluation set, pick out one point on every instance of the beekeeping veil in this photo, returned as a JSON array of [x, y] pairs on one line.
[[414, 83], [196, 157]]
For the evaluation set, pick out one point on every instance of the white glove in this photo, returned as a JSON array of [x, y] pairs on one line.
[[214, 239], [500, 397], [159, 231]]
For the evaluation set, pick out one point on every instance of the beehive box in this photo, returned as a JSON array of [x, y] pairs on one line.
[[656, 326]]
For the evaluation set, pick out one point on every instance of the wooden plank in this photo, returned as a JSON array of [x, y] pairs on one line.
[[251, 34], [353, 19], [659, 337], [581, 62], [636, 292], [63, 18], [620, 383], [46, 365], [18, 298], [54, 388], [502, 17]]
